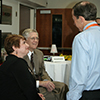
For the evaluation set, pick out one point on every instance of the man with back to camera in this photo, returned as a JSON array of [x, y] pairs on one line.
[[84, 83], [50, 89]]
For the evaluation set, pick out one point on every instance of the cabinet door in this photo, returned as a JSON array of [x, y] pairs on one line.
[[44, 28], [69, 29], [44, 25]]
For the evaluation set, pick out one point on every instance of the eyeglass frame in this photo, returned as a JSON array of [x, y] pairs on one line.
[[35, 38]]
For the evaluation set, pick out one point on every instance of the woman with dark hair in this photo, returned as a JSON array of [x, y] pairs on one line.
[[16, 81]]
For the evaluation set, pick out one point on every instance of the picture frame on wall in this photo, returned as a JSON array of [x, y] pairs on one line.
[[0, 44], [6, 14], [0, 11]]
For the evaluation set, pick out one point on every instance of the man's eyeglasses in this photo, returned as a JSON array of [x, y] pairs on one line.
[[35, 38]]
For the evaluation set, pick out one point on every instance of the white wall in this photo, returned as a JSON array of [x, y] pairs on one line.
[[70, 3], [40, 2], [14, 28]]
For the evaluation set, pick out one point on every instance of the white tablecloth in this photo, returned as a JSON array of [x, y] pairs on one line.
[[59, 71]]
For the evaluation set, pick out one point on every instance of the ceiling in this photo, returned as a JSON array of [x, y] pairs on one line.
[[32, 3]]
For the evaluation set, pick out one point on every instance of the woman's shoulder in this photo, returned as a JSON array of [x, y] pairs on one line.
[[16, 60], [21, 61]]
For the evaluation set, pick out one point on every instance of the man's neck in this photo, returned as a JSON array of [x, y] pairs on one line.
[[31, 50], [87, 22]]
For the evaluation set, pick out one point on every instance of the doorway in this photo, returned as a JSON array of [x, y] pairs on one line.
[[25, 15]]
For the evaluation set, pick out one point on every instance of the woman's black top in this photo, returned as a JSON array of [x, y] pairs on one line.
[[16, 82]]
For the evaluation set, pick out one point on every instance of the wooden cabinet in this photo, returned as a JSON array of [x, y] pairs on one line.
[[44, 27]]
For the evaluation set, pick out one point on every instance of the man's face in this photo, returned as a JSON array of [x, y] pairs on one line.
[[77, 22], [98, 21], [32, 41]]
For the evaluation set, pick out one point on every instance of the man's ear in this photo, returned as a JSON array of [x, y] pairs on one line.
[[81, 19]]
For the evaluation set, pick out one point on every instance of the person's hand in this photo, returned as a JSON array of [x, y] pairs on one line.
[[47, 84], [42, 96]]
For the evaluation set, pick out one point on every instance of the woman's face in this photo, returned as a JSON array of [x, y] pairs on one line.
[[24, 48]]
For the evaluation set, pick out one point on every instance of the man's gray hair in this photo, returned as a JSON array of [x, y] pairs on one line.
[[26, 32]]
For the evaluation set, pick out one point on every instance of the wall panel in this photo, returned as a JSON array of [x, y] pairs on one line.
[[44, 27]]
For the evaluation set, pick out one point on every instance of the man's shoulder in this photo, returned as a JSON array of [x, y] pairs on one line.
[[25, 57], [37, 51]]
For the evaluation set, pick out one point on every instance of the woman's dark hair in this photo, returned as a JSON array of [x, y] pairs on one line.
[[85, 9], [12, 40]]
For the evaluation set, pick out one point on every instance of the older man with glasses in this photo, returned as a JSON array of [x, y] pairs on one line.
[[50, 89]]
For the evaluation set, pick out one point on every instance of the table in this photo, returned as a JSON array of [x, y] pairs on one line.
[[59, 71]]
